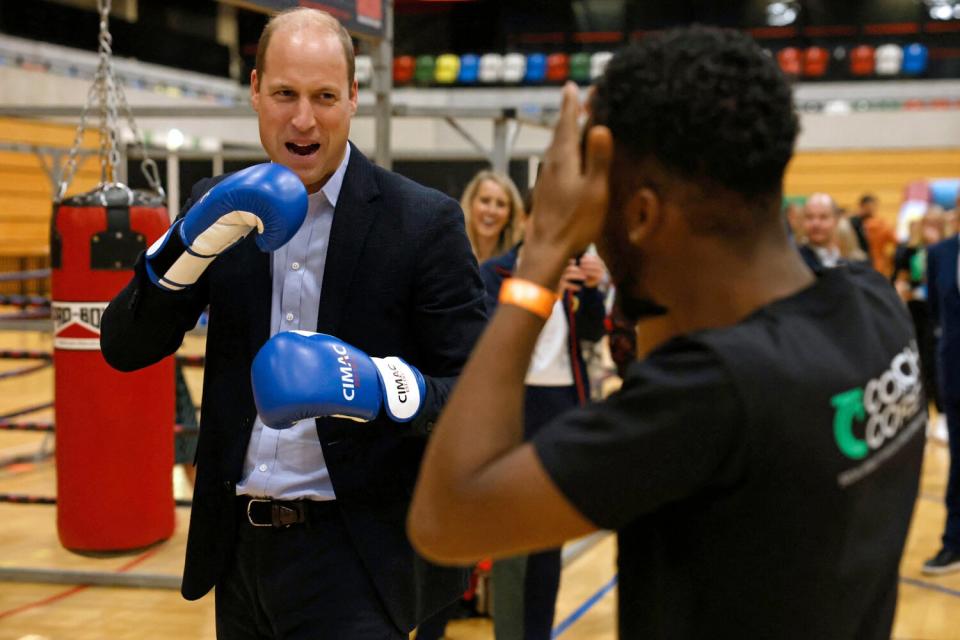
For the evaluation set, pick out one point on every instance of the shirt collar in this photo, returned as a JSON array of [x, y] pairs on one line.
[[829, 256], [331, 190]]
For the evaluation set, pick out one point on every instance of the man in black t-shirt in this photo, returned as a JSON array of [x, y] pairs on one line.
[[761, 465]]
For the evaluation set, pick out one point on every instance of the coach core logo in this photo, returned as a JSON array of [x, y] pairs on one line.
[[347, 377], [883, 406]]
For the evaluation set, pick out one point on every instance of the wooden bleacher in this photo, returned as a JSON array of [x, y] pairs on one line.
[[26, 195], [846, 175]]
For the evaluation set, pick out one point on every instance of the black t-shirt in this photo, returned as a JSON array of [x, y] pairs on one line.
[[761, 477]]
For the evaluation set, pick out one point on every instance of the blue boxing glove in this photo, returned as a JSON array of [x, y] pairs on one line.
[[298, 375], [267, 197]]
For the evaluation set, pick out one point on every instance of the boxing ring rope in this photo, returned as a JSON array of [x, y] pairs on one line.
[[25, 354], [31, 307], [15, 276], [12, 373], [19, 354], [17, 300], [45, 449], [38, 427], [26, 410]]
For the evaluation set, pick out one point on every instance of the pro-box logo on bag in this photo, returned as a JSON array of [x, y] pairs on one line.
[[76, 325]]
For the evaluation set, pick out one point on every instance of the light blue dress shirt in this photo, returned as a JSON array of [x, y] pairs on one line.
[[288, 464]]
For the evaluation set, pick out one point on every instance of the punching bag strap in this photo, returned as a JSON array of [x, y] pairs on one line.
[[56, 241], [117, 248]]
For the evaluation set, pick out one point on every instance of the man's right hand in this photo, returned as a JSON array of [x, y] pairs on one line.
[[267, 197], [571, 203]]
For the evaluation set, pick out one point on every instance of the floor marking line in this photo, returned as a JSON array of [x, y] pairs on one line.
[[583, 608], [931, 586]]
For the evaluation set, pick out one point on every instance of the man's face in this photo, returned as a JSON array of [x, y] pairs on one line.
[[868, 208], [819, 224], [304, 102]]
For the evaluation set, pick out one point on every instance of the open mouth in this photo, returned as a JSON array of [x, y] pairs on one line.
[[302, 149]]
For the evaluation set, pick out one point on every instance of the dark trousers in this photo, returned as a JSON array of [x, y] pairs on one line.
[[541, 574], [540, 586], [951, 532], [927, 347], [303, 582]]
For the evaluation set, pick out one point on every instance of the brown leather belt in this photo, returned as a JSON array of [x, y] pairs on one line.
[[267, 512]]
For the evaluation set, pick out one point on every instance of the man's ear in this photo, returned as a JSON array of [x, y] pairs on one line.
[[642, 215], [254, 91], [354, 96]]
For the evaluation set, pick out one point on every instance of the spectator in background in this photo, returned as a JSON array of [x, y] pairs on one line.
[[944, 297], [909, 278], [494, 214], [848, 243], [880, 236], [868, 207], [793, 213], [820, 220]]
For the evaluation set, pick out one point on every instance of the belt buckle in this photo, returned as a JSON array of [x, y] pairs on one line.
[[250, 516]]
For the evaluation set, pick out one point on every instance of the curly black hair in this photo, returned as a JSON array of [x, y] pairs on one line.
[[708, 104]]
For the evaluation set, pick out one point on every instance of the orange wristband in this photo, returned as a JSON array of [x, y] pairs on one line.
[[528, 295]]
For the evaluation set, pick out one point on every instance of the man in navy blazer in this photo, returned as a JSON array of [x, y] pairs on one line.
[[943, 294], [301, 531]]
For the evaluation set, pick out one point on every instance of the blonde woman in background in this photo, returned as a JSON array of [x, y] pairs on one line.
[[494, 214], [848, 243]]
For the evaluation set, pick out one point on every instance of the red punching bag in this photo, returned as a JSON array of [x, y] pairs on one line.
[[114, 430]]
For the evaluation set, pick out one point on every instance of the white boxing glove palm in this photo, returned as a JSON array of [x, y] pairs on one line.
[[267, 197]]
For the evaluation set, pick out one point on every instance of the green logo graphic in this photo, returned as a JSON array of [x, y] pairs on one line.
[[849, 405], [883, 405]]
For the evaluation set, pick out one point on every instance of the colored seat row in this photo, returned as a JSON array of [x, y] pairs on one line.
[[861, 61], [490, 68], [537, 68]]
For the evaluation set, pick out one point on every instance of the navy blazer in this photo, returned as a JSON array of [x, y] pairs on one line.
[[400, 279], [944, 299]]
